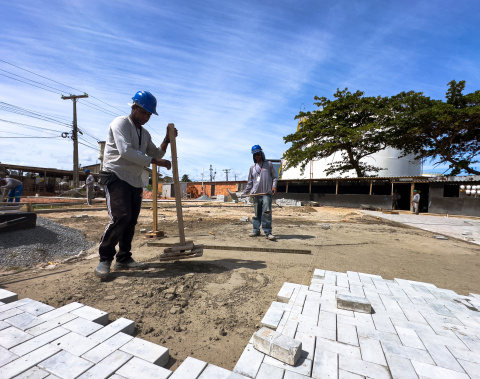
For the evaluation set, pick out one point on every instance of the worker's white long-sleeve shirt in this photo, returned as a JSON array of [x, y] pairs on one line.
[[125, 155], [261, 178]]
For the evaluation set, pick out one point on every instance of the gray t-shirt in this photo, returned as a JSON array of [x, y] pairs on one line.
[[261, 178], [129, 150], [12, 183]]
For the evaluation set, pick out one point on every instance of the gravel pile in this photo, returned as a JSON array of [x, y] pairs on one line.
[[47, 242]]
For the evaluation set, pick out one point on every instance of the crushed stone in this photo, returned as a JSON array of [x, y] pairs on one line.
[[48, 241]]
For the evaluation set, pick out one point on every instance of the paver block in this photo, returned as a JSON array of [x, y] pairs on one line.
[[122, 325], [36, 308], [92, 314], [7, 296], [22, 320], [270, 372], [65, 362], [303, 365], [249, 362], [286, 292], [191, 368], [74, 343], [82, 326], [26, 362], [353, 303], [148, 351], [430, 371], [34, 373], [108, 366], [6, 356], [134, 366], [39, 341], [42, 326], [11, 337], [277, 345], [272, 318]]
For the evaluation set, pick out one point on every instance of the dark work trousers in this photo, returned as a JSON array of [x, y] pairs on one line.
[[123, 204]]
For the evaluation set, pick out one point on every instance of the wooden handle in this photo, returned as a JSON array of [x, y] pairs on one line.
[[176, 183], [154, 198]]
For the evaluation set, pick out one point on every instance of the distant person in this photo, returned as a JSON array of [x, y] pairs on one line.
[[395, 198], [89, 184], [15, 189], [416, 202], [262, 180], [128, 150]]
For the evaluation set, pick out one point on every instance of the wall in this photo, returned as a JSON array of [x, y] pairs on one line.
[[466, 205], [221, 188], [348, 201]]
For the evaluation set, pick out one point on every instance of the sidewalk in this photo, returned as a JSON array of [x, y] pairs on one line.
[[461, 228]]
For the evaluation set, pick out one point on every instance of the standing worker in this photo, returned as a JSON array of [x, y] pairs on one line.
[[395, 198], [15, 188], [128, 150], [416, 202], [89, 183], [262, 179]]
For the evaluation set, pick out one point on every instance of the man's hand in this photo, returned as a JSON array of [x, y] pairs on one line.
[[167, 134], [274, 191], [163, 163]]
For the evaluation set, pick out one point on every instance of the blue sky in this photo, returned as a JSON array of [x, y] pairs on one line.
[[229, 74]]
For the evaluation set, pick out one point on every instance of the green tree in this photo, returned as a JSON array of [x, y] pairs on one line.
[[442, 132], [350, 125], [185, 178]]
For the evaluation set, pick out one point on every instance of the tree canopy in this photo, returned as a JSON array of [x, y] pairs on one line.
[[185, 178]]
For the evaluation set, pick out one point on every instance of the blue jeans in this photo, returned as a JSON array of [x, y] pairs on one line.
[[262, 206], [15, 193]]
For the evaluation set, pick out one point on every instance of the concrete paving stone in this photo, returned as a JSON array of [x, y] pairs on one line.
[[287, 327], [92, 314], [464, 354], [39, 341], [108, 366], [364, 368], [122, 325], [318, 331], [10, 313], [442, 356], [315, 286], [308, 344], [269, 372], [371, 276], [347, 333], [357, 290], [400, 367], [74, 343], [448, 338], [12, 336], [22, 320], [337, 347], [409, 338], [391, 314], [327, 320], [390, 304], [107, 347], [7, 296], [311, 308], [6, 356], [249, 362], [423, 292], [372, 351], [320, 274], [294, 375], [148, 351], [331, 306], [475, 295], [134, 366], [60, 311], [383, 323], [397, 290], [303, 365], [44, 326], [313, 296], [191, 368], [33, 373], [36, 308], [465, 318], [82, 326], [279, 346], [353, 276], [382, 287], [298, 299], [303, 319], [472, 369], [214, 372], [282, 306], [272, 318], [407, 352], [374, 299], [363, 319], [422, 284], [378, 335], [353, 303], [117, 359], [440, 309], [325, 365], [4, 325], [14, 304], [286, 292], [414, 315], [472, 342], [418, 327], [342, 374], [116, 376], [342, 281], [27, 361], [425, 370]]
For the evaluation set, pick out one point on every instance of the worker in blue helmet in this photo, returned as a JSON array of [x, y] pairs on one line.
[[261, 185], [89, 184], [128, 151]]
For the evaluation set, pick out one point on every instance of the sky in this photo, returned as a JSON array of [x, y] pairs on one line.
[[228, 74]]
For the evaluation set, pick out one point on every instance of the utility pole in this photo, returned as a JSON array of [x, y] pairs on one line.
[[226, 171], [76, 181], [211, 173]]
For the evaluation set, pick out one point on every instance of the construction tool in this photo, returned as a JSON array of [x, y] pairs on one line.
[[155, 233], [10, 222], [182, 250]]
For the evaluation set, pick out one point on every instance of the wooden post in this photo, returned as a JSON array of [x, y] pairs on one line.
[[176, 183], [155, 232]]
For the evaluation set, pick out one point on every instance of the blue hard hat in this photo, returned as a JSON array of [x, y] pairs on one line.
[[256, 149], [87, 171], [146, 100]]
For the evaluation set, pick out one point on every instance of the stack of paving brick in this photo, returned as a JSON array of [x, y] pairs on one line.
[[394, 329], [76, 341]]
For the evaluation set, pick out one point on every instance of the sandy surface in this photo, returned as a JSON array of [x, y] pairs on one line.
[[209, 307]]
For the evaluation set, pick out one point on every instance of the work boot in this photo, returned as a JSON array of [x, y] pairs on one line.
[[254, 234], [103, 269], [271, 237], [128, 264]]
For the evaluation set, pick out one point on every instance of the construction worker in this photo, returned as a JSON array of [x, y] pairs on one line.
[[15, 188], [89, 184], [416, 202], [262, 180], [128, 150], [395, 198]]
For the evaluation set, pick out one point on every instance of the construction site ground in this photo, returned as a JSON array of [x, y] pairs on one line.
[[209, 307]]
